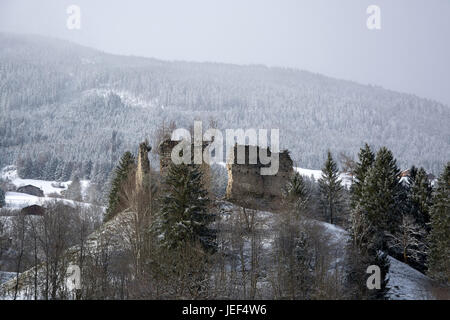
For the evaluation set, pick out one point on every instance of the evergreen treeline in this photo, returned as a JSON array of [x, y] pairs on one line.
[[172, 240], [391, 215]]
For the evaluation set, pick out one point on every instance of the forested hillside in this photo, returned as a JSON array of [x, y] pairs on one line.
[[67, 108]]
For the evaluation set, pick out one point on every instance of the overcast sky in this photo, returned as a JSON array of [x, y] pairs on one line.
[[411, 52]]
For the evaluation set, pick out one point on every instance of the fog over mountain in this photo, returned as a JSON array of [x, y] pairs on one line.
[[79, 105], [408, 54]]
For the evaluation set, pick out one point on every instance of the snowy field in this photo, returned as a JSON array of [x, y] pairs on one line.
[[16, 200], [316, 174], [9, 174]]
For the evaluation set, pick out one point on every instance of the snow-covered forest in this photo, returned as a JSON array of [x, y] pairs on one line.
[[67, 109]]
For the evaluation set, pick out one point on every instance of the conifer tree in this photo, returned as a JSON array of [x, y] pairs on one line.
[[50, 169], [73, 192], [330, 188], [382, 203], [382, 196], [358, 218], [67, 172], [184, 215], [367, 233], [59, 171], [121, 173], [296, 194], [2, 198], [420, 196], [366, 160], [363, 251], [439, 255]]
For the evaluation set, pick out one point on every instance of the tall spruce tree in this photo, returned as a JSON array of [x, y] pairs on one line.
[[296, 193], [420, 196], [382, 196], [184, 215], [382, 204], [330, 188], [365, 161], [358, 219], [366, 237], [121, 174], [363, 251], [439, 254]]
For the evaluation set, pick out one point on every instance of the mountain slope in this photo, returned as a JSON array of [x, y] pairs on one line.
[[79, 104]]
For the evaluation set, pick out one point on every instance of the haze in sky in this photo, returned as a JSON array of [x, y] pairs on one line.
[[410, 53]]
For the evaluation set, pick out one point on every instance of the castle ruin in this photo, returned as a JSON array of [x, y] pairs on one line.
[[165, 158], [248, 188], [143, 167]]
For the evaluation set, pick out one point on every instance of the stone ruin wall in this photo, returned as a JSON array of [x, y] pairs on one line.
[[165, 152], [248, 188], [143, 167]]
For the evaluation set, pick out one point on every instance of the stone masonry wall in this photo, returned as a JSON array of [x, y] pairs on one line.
[[248, 188]]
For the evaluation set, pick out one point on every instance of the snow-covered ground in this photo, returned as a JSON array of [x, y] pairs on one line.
[[316, 174], [405, 282], [16, 200], [9, 174]]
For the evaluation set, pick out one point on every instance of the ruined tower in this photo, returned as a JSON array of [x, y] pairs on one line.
[[248, 188], [165, 152], [143, 167]]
